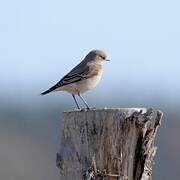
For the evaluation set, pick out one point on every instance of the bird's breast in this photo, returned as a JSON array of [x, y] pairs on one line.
[[90, 82]]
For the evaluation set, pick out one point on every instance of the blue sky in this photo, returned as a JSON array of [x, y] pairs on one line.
[[40, 41]]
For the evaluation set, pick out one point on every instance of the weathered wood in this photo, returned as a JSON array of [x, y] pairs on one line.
[[108, 144]]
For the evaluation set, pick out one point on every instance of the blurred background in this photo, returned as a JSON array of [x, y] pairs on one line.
[[42, 40]]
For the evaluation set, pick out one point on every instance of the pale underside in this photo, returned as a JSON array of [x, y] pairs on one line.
[[83, 85]]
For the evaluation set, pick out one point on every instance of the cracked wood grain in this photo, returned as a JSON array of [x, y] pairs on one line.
[[108, 144]]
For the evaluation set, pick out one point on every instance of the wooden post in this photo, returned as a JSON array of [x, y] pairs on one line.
[[108, 144]]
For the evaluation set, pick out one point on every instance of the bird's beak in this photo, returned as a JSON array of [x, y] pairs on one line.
[[107, 59]]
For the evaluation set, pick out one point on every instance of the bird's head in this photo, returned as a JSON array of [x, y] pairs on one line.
[[97, 56]]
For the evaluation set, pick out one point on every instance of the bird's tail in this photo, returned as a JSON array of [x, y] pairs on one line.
[[53, 88], [46, 92]]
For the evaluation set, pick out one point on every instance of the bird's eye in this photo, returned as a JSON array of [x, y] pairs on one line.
[[103, 57]]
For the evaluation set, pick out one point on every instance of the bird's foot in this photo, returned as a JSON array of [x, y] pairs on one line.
[[89, 108], [84, 109]]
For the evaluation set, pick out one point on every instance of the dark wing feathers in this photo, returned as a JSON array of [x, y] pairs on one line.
[[73, 76]]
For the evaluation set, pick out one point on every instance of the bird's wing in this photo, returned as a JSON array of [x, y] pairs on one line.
[[76, 74]]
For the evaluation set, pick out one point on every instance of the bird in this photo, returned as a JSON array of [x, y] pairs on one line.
[[83, 77]]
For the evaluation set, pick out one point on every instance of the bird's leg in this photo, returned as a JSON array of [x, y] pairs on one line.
[[75, 101], [83, 101]]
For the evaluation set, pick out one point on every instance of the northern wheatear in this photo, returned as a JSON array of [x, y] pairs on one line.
[[85, 76]]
